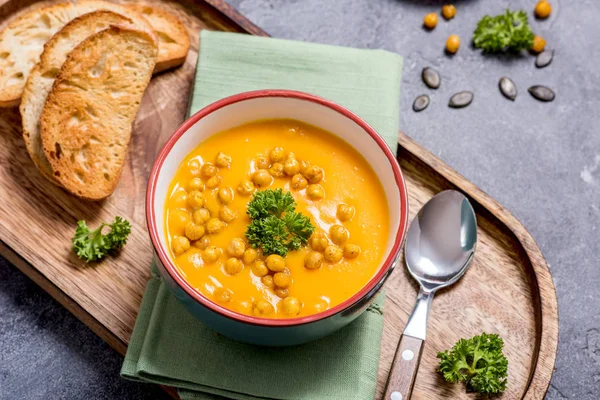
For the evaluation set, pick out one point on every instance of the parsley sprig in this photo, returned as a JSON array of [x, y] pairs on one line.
[[93, 245], [508, 31], [276, 227]]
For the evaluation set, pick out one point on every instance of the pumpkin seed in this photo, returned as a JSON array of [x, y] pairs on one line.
[[508, 88], [431, 77], [544, 58], [542, 93], [461, 99], [421, 103]]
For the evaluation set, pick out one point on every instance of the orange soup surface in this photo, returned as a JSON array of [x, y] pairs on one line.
[[331, 183]]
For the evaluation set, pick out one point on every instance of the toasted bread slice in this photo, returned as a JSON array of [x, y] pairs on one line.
[[43, 74], [87, 119], [173, 37]]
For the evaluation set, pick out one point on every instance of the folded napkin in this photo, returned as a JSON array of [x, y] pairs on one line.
[[168, 345]]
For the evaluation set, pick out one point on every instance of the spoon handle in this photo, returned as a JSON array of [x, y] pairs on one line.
[[404, 369]]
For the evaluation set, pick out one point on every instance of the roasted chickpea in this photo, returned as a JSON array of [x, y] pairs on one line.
[[201, 216], [203, 243], [448, 11], [313, 260], [262, 308], [290, 305], [223, 295], [213, 182], [227, 214], [338, 234], [262, 163], [196, 199], [267, 280], [275, 263], [303, 165], [313, 174], [276, 155], [194, 167], [214, 225], [345, 212], [543, 9], [315, 191], [208, 170], [236, 247], [233, 266], [281, 292], [299, 182], [430, 20], [250, 255], [452, 44], [319, 241], [351, 250], [225, 195], [262, 178], [276, 170], [180, 245], [282, 280], [195, 184], [333, 254], [223, 160], [246, 188], [259, 268], [211, 254], [538, 44], [291, 167], [194, 231]]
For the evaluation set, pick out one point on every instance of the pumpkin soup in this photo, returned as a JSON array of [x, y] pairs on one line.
[[276, 219]]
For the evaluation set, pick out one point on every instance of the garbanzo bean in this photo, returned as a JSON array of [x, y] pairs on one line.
[[262, 308], [543, 9], [333, 254], [538, 44], [259, 268], [203, 243], [194, 167], [303, 165], [290, 156], [313, 174], [262, 178], [236, 247], [262, 163], [177, 221], [267, 280], [290, 305], [351, 250], [313, 260], [448, 11], [315, 191], [246, 188], [233, 266], [275, 263], [223, 295], [250, 255], [452, 44], [281, 292], [195, 184], [223, 160], [208, 170], [345, 212], [276, 170], [299, 182], [282, 280], [244, 307], [211, 254], [276, 155], [180, 245], [227, 214], [213, 182], [214, 225], [201, 216], [430, 20], [196, 199], [225, 195], [319, 241], [338, 234], [179, 198], [194, 231], [291, 167]]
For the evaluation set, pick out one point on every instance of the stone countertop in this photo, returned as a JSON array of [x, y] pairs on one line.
[[541, 161]]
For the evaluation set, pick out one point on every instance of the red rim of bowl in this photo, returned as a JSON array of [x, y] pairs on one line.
[[195, 294]]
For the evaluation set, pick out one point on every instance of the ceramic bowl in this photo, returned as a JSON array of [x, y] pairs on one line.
[[264, 104]]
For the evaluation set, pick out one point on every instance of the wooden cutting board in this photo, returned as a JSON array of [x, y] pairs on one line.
[[507, 290]]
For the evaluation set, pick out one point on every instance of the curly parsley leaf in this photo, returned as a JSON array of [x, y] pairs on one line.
[[508, 31], [93, 245], [276, 227], [478, 362]]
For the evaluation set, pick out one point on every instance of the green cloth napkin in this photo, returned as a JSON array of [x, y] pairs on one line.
[[168, 345]]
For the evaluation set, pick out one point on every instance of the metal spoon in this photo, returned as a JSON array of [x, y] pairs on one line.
[[439, 247]]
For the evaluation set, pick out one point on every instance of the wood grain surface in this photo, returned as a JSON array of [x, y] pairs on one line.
[[507, 290]]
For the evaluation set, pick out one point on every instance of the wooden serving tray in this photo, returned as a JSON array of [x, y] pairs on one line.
[[508, 288]]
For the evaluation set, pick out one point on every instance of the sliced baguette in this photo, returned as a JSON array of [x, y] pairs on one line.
[[87, 119], [43, 74]]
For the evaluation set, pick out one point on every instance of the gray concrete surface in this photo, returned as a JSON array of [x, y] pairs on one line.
[[541, 161]]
